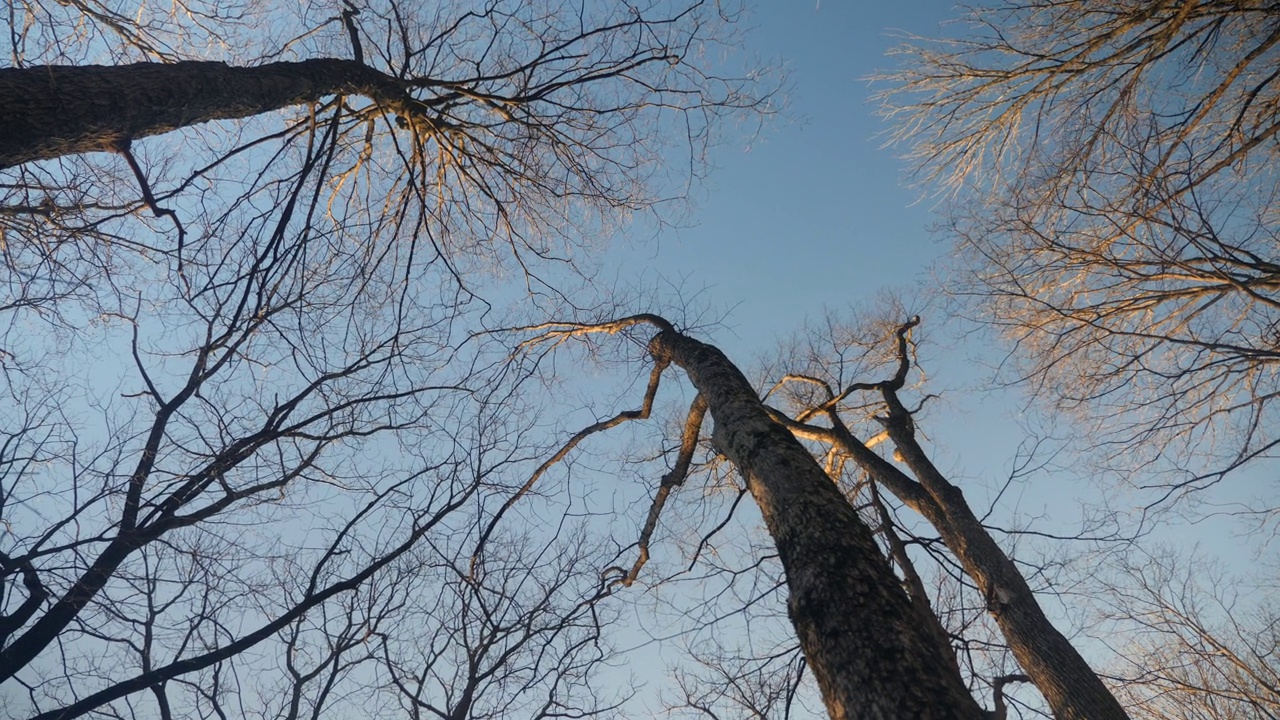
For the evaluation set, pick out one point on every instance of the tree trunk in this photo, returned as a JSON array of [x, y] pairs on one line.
[[1071, 687], [53, 110], [870, 656]]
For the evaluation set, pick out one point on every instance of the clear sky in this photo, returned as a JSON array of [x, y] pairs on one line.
[[815, 214]]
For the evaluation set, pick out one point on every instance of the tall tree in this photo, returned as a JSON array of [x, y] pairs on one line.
[[872, 652], [1112, 169], [508, 132], [1071, 688], [799, 498], [244, 436]]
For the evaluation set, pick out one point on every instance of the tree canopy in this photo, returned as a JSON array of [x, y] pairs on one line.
[[251, 462], [314, 404], [1113, 171]]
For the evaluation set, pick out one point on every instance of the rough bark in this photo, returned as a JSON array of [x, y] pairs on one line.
[[53, 110], [872, 659], [1072, 689]]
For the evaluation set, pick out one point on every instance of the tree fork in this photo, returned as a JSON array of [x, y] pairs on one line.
[[869, 654], [52, 110], [1073, 690]]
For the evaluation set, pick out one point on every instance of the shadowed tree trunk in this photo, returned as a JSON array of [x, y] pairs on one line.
[[54, 110], [1072, 689], [870, 655]]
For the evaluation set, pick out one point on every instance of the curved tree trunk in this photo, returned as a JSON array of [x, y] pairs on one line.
[[53, 110], [871, 657]]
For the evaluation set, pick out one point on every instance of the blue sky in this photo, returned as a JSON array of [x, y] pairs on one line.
[[816, 214]]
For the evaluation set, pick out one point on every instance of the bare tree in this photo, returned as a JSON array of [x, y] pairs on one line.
[[1111, 176], [863, 640], [264, 485], [252, 429], [766, 682], [1193, 643], [491, 138], [828, 414]]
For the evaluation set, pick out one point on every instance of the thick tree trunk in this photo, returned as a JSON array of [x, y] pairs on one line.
[[53, 110], [860, 636], [1072, 689]]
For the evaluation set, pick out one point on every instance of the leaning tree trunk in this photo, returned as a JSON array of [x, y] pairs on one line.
[[1071, 687], [53, 110], [870, 656], [1059, 672]]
